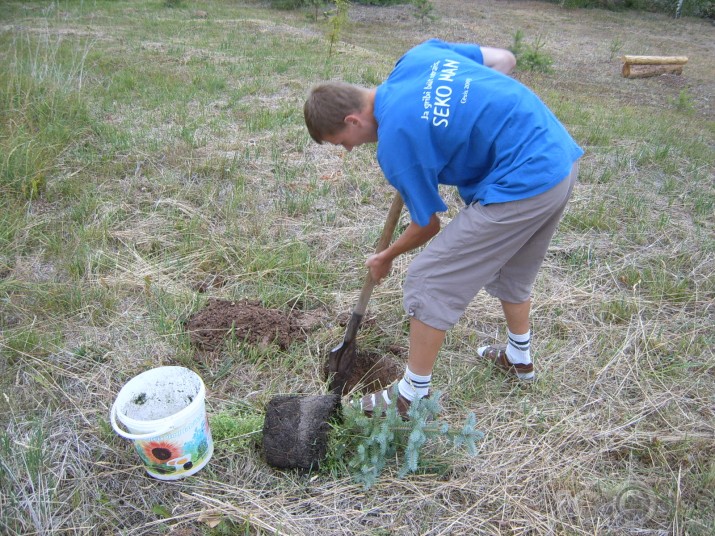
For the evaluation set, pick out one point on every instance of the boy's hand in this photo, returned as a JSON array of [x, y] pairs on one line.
[[413, 237], [379, 266]]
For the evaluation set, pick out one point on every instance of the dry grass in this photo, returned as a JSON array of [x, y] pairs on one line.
[[195, 167]]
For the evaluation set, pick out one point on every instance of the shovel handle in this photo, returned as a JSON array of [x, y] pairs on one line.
[[393, 216]]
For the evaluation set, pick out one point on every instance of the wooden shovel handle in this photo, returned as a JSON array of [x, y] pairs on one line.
[[393, 216]]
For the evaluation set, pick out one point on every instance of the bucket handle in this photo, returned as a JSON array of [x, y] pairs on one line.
[[134, 437]]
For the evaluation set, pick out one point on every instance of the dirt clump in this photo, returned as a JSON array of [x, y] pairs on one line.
[[246, 320], [296, 430]]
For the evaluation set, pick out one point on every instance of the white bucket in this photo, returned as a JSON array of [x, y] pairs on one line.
[[164, 411]]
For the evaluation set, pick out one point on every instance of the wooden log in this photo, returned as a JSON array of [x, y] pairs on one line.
[[645, 71], [655, 60]]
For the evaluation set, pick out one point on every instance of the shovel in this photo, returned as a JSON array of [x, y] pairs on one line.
[[296, 428], [342, 357]]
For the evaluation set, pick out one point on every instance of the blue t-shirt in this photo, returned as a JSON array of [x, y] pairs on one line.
[[445, 118]]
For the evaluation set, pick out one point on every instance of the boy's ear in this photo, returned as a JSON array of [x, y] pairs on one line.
[[352, 119]]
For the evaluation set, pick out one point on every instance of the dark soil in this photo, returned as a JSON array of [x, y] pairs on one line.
[[295, 431], [245, 320], [371, 372]]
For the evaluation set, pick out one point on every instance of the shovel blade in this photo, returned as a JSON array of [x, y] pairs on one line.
[[342, 357], [340, 364]]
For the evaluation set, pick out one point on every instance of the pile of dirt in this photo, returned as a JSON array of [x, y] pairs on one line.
[[245, 320]]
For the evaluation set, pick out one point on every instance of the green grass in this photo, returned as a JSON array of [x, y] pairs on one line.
[[146, 149]]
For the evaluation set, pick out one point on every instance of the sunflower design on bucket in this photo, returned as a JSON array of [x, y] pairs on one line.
[[160, 452], [187, 450]]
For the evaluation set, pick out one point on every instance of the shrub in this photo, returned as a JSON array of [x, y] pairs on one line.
[[369, 443], [424, 10], [530, 57]]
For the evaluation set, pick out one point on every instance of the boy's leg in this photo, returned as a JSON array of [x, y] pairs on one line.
[[517, 316], [512, 284], [425, 342], [518, 348]]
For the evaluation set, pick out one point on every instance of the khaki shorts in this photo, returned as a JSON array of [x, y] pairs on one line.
[[498, 247]]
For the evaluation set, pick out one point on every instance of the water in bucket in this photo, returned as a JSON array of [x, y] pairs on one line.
[[164, 413]]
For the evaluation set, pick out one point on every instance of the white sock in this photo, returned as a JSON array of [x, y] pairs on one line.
[[413, 385], [518, 347]]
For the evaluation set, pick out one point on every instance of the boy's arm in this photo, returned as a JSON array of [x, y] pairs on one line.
[[412, 237], [498, 59]]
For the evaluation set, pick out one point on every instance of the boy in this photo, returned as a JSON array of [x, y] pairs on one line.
[[448, 114]]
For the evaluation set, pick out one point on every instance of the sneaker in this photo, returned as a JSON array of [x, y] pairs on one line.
[[375, 404], [497, 355]]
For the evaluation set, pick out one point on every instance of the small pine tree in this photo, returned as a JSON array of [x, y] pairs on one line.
[[337, 20], [424, 10], [373, 441], [531, 57]]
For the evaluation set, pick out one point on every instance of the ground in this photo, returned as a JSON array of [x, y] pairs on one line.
[[186, 218]]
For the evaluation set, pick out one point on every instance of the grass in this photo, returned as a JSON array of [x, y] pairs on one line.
[[147, 149]]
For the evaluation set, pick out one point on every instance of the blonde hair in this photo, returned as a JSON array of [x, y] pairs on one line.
[[327, 106]]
